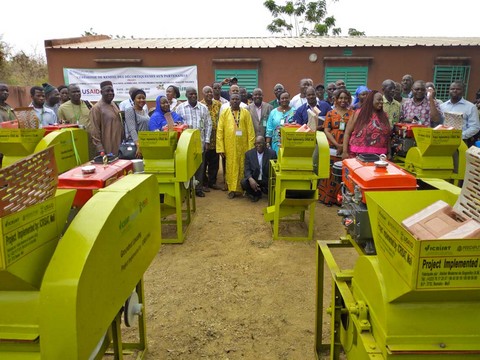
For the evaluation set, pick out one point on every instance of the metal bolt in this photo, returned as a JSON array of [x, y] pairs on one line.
[[442, 345]]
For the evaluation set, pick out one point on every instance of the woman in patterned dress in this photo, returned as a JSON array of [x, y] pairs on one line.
[[334, 126], [369, 130]]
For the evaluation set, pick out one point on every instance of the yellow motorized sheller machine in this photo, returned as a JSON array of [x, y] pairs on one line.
[[430, 153], [293, 181], [417, 297], [63, 290], [173, 157]]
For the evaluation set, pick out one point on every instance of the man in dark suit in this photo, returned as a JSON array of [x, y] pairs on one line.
[[259, 110], [255, 181]]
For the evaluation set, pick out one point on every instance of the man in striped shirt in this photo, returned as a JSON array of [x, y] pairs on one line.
[[197, 116]]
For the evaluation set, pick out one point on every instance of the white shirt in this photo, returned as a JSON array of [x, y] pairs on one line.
[[260, 161], [298, 101], [45, 115], [197, 117]]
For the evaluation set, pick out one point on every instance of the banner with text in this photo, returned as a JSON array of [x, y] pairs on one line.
[[153, 80]]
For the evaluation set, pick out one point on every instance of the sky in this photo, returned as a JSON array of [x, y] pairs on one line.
[[27, 30]]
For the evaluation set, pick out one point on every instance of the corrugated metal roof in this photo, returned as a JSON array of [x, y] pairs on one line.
[[266, 42]]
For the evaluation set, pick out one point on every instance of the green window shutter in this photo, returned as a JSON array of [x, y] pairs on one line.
[[354, 76], [246, 78], [445, 75]]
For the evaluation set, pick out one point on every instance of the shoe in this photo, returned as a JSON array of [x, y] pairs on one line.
[[215, 187], [231, 195], [206, 189], [255, 198], [200, 193]]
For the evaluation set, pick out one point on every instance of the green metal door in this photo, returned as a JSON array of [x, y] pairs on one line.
[[246, 78], [354, 76], [445, 75]]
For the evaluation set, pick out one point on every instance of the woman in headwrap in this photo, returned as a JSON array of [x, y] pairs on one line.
[[162, 118], [360, 96]]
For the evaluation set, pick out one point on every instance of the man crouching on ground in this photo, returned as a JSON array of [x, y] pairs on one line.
[[257, 166]]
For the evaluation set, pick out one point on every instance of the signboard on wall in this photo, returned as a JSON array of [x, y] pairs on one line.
[[153, 80]]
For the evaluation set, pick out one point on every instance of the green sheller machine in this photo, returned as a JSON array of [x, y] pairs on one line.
[[293, 182], [71, 145], [435, 154], [415, 299], [63, 291], [173, 160]]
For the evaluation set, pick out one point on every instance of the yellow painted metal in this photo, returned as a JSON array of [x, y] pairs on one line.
[[174, 163], [293, 182], [98, 263], [70, 146], [29, 238], [62, 300], [15, 144], [414, 300], [438, 154]]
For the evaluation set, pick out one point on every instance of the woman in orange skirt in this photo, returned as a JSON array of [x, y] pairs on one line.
[[334, 127]]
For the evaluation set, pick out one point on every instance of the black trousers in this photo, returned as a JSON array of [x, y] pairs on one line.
[[211, 164], [246, 186]]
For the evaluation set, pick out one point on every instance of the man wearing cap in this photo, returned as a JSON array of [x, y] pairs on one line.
[[106, 125], [229, 82], [52, 97]]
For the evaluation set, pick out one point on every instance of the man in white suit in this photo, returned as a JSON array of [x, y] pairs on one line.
[[259, 110]]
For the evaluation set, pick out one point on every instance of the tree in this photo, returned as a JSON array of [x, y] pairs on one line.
[[304, 18], [20, 68]]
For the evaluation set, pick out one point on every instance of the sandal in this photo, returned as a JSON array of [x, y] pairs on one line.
[[231, 195]]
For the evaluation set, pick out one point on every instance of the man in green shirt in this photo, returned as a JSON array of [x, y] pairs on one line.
[[277, 90], [6, 111], [391, 106], [75, 110]]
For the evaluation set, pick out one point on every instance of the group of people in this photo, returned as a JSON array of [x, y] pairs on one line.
[[244, 133]]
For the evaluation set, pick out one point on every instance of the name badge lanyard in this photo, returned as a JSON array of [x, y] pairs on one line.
[[342, 123], [237, 119]]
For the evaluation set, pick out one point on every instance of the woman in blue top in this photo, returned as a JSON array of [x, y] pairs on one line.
[[163, 116], [278, 117]]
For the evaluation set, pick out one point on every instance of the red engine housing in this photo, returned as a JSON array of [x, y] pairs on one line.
[[370, 177]]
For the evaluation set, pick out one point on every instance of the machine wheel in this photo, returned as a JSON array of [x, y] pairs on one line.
[[132, 309]]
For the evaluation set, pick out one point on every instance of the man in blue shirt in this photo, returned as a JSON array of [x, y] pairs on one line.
[[318, 107], [457, 104]]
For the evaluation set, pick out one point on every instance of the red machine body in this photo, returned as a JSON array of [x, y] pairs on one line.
[[405, 130], [369, 177], [367, 172], [50, 128], [403, 138], [87, 183]]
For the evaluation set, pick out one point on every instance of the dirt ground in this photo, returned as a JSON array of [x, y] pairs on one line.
[[231, 292]]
